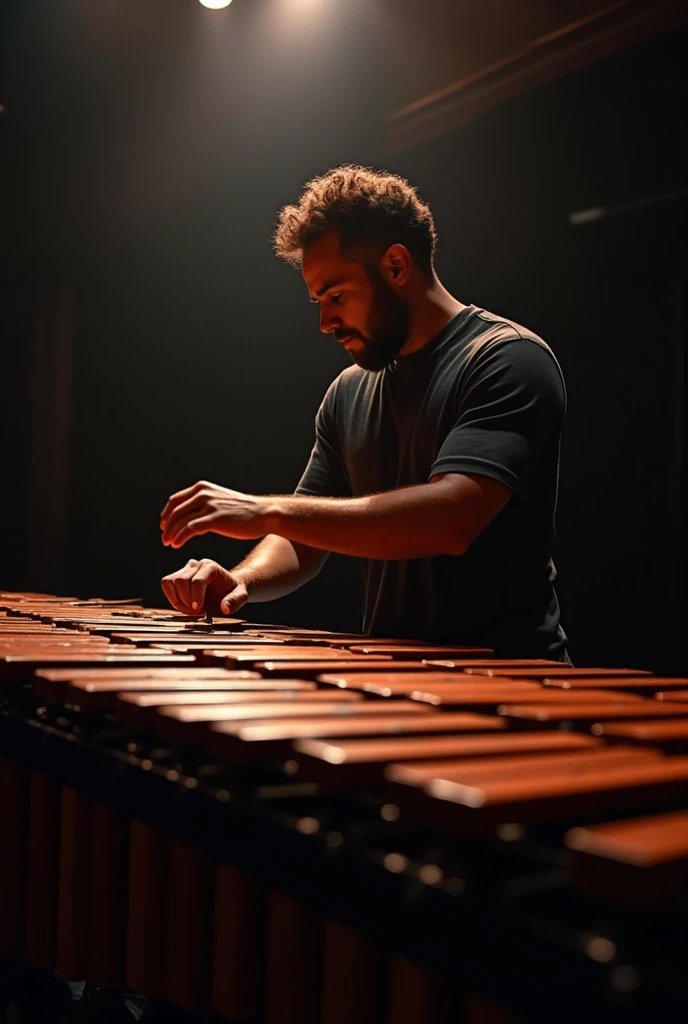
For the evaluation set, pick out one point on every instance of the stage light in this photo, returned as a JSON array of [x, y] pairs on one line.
[[215, 5]]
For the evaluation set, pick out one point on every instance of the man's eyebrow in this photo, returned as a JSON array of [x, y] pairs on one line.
[[326, 287]]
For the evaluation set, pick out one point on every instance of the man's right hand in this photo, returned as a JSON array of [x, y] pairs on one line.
[[204, 586]]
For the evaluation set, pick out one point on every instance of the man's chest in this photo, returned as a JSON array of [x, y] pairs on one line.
[[392, 434]]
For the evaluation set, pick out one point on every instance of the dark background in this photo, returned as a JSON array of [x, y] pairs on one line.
[[144, 157]]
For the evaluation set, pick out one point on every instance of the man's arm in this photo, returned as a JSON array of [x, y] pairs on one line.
[[276, 567], [442, 517]]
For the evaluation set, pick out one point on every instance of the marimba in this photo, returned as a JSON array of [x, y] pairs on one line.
[[289, 826]]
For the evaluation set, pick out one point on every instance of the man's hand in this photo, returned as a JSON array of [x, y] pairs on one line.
[[204, 586], [208, 508]]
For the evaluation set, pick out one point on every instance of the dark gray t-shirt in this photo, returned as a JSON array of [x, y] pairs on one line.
[[485, 396]]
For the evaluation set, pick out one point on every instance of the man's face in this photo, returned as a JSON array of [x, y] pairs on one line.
[[357, 306]]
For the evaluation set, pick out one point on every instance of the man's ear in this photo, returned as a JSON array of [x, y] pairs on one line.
[[396, 265]]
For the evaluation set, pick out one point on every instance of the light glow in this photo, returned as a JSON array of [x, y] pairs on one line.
[[215, 5]]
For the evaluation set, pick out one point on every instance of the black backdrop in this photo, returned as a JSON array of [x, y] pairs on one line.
[[196, 353]]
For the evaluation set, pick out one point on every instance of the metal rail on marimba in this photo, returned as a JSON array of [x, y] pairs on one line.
[[286, 825]]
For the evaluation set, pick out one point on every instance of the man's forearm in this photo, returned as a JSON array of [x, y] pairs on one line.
[[413, 522], [276, 567], [442, 517]]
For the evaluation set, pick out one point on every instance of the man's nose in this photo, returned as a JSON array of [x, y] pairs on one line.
[[328, 323]]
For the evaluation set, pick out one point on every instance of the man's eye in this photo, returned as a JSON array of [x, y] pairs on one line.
[[336, 298]]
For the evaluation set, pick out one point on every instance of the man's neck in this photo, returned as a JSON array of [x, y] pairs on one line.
[[431, 311]]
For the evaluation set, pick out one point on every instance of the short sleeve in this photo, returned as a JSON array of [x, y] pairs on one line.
[[510, 413], [325, 475]]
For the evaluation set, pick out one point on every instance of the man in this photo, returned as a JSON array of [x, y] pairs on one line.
[[436, 455]]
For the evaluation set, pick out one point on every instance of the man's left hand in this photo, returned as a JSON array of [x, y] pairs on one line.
[[208, 508]]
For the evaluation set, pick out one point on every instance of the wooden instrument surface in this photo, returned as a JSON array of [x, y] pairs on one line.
[[440, 765]]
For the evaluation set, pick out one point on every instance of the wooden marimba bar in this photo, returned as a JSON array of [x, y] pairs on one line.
[[285, 825]]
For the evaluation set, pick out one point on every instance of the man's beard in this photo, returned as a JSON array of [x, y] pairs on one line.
[[387, 328]]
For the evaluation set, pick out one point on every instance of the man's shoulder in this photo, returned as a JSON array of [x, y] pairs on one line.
[[346, 384], [350, 375], [489, 330], [339, 397], [493, 340]]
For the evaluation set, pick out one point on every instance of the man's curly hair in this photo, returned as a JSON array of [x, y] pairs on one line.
[[370, 210]]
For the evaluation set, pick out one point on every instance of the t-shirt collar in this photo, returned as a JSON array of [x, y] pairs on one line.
[[415, 358]]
